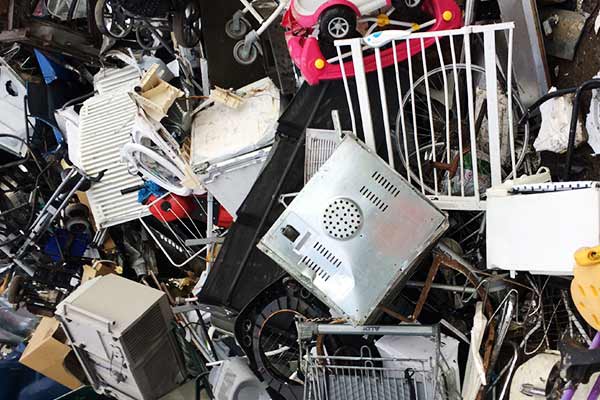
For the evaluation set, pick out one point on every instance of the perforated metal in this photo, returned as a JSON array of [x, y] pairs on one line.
[[342, 218]]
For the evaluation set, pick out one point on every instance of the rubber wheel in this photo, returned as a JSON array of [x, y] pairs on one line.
[[412, 3], [243, 57], [13, 293], [237, 33], [77, 210], [117, 18], [78, 225], [145, 39], [337, 23], [186, 25]]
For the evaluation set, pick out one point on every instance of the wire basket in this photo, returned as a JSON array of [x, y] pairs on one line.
[[367, 377]]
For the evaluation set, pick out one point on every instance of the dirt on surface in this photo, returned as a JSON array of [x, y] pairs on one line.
[[566, 74]]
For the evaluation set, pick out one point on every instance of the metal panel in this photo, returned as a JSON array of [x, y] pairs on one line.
[[354, 232], [530, 67], [106, 121]]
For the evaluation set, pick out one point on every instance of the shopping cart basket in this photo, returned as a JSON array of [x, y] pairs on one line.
[[367, 375]]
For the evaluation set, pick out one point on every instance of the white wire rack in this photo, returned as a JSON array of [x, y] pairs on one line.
[[454, 134], [363, 375]]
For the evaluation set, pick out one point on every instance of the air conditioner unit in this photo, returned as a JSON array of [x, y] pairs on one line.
[[121, 331], [355, 232]]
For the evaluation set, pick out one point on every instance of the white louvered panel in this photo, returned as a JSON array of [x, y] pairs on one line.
[[105, 122], [122, 79]]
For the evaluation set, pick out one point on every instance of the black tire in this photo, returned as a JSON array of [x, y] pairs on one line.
[[77, 210], [101, 22], [337, 23], [186, 24], [13, 293], [78, 226]]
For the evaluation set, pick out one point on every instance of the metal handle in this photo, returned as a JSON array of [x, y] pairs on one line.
[[103, 323]]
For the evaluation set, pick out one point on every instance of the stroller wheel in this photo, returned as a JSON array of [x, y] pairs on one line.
[[243, 54], [237, 29], [186, 25]]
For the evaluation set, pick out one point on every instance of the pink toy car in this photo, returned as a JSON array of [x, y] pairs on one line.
[[337, 19]]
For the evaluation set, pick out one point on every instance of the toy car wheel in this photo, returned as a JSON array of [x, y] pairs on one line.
[[111, 20], [186, 25], [244, 55], [237, 31], [338, 23]]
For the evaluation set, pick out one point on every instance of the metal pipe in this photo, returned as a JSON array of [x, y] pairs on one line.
[[441, 286]]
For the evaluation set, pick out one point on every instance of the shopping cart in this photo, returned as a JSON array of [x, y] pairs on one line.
[[364, 374]]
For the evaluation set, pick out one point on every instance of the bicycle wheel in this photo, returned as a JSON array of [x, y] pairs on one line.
[[111, 20], [435, 130]]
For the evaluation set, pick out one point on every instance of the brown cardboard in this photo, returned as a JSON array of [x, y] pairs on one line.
[[100, 268], [47, 354]]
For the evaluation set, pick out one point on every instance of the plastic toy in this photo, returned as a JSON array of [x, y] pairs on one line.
[[337, 19]]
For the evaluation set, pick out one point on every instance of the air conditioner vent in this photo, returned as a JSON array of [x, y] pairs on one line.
[[310, 263], [342, 218], [373, 198], [386, 184]]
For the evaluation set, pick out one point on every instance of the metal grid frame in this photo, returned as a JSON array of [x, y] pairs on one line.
[[468, 142]]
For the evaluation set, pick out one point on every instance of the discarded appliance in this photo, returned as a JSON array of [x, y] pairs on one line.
[[539, 227], [355, 232], [121, 332], [359, 372], [105, 124], [231, 145], [12, 100]]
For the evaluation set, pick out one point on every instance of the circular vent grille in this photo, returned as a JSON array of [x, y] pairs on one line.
[[342, 219]]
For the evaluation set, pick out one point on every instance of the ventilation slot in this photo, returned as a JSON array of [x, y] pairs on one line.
[[315, 267], [147, 331], [373, 198], [322, 250], [385, 183]]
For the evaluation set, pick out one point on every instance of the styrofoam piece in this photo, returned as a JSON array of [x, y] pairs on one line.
[[540, 232], [220, 132]]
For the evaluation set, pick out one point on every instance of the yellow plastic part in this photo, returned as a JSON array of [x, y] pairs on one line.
[[585, 286], [319, 63], [416, 27], [383, 20], [447, 16]]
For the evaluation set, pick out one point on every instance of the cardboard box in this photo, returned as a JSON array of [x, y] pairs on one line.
[[48, 354], [100, 268]]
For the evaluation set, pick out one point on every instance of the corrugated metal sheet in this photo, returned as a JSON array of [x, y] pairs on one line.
[[105, 126], [112, 79]]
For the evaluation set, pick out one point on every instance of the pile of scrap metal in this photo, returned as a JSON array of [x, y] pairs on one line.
[[395, 205]]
